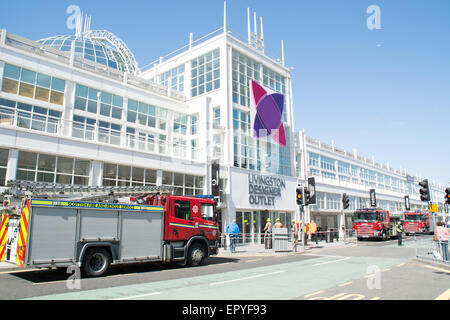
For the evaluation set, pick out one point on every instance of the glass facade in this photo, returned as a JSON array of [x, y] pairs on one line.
[[205, 73]]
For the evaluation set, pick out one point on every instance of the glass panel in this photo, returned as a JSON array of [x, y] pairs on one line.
[[58, 84], [124, 173], [167, 178], [65, 165], [81, 91], [47, 162], [12, 72], [82, 167], [57, 98], [42, 94], [4, 157], [43, 80], [26, 90], [10, 86], [150, 176], [27, 160], [28, 76], [138, 174], [109, 170]]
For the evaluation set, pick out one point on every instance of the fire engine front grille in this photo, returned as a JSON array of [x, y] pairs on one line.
[[411, 227], [365, 230]]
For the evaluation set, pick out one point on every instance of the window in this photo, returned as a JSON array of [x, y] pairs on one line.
[[52, 169], [117, 175], [146, 115], [179, 123], [216, 117], [207, 211], [175, 77], [83, 128], [244, 69], [33, 85], [182, 209], [109, 133], [98, 102], [30, 117], [194, 124], [205, 73], [4, 154]]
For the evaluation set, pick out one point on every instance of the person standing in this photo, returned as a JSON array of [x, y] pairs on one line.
[[313, 231], [306, 233], [400, 231], [294, 230], [442, 235], [233, 232], [267, 233], [278, 223]]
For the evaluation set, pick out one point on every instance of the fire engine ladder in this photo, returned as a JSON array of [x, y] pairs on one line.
[[21, 189]]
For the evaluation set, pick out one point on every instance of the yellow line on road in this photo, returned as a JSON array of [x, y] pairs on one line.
[[387, 269], [313, 294], [444, 296], [438, 269], [253, 260], [401, 264], [345, 284]]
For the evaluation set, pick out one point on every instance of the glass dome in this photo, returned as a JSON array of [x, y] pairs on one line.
[[99, 46]]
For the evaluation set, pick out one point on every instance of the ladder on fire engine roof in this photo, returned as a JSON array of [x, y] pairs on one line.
[[19, 188]]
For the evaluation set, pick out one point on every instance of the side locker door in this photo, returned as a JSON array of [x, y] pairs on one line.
[[181, 222]]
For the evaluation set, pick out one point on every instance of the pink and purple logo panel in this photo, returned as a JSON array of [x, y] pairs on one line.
[[269, 112]]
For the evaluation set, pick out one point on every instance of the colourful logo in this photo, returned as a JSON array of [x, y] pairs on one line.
[[269, 111]]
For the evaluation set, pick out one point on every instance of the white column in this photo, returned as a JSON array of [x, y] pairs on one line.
[[11, 168], [96, 176], [66, 125]]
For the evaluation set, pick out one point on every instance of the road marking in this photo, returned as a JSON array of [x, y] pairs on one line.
[[438, 269], [313, 294], [401, 264], [375, 298], [387, 269], [23, 270], [345, 284], [253, 260], [246, 278], [330, 298], [49, 282], [322, 263], [444, 296], [138, 296]]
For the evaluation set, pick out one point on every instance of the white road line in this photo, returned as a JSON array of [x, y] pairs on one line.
[[253, 260], [138, 296], [246, 278], [444, 296], [322, 263], [314, 293]]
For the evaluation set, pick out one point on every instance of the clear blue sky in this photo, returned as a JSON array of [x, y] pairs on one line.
[[384, 92]]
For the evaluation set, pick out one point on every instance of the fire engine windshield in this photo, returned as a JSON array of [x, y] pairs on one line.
[[413, 217], [366, 216]]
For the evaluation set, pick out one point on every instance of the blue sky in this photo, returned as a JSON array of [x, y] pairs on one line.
[[384, 92]]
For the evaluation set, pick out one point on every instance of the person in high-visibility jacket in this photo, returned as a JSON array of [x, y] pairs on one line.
[[313, 231], [306, 233], [400, 230]]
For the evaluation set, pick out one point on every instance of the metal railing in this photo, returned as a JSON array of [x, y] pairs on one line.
[[432, 250]]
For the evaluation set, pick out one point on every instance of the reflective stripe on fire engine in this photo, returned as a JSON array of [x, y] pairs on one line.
[[3, 237], [92, 205], [23, 232], [208, 226], [181, 225]]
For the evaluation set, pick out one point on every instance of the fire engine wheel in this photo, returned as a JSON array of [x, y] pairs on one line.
[[96, 262], [196, 255]]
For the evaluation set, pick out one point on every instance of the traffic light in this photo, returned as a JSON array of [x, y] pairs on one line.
[[345, 201], [424, 191], [299, 196], [307, 196], [447, 196]]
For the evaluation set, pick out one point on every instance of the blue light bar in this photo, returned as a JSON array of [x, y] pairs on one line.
[[206, 196]]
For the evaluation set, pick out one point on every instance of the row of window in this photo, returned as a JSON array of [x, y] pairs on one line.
[[205, 73], [33, 85], [355, 174]]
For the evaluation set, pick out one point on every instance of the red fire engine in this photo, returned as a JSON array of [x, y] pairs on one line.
[[418, 222], [59, 228], [372, 223]]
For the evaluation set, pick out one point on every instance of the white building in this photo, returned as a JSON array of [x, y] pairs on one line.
[[78, 110]]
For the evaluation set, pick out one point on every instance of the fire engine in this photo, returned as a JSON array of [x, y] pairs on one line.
[[373, 223], [94, 227], [419, 222]]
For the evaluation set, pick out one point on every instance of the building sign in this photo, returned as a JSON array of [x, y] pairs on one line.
[[215, 191], [407, 206], [264, 190], [373, 198], [267, 113]]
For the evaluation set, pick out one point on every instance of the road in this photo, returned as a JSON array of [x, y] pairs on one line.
[[369, 270]]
